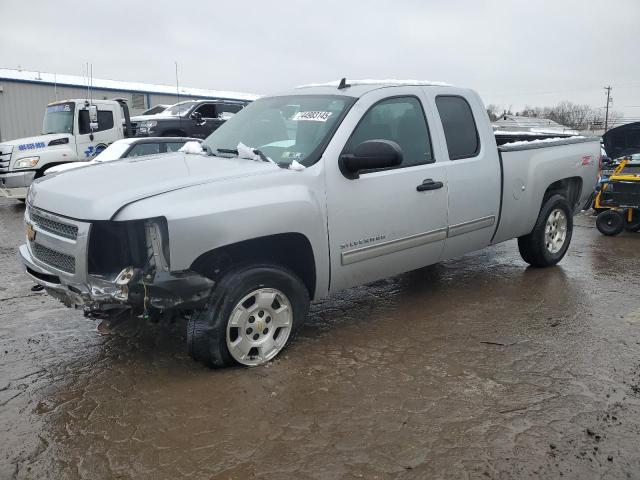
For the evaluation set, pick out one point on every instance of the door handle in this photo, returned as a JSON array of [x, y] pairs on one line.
[[429, 184]]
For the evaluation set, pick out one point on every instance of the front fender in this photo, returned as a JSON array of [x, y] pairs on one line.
[[210, 216]]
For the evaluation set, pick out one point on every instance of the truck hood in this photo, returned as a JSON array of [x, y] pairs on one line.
[[98, 192], [31, 144]]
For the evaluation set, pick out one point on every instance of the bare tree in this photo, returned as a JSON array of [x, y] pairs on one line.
[[494, 112], [572, 115]]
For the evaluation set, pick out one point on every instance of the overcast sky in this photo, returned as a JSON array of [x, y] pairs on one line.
[[512, 52]]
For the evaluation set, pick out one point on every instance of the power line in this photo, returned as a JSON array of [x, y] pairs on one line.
[[606, 117], [552, 92]]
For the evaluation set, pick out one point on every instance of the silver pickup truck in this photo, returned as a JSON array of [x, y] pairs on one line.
[[344, 183]]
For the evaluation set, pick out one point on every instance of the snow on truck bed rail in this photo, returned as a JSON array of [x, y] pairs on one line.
[[367, 81], [544, 140]]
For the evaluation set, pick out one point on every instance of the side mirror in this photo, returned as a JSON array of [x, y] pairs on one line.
[[93, 117], [197, 116], [370, 155]]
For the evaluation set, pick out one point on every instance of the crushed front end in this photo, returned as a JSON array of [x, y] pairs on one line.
[[106, 267]]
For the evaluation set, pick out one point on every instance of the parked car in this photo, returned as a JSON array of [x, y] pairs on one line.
[[155, 110], [129, 147], [349, 183], [193, 118]]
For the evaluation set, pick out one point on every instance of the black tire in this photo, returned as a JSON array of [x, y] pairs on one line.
[[610, 223], [532, 247], [207, 328], [634, 224]]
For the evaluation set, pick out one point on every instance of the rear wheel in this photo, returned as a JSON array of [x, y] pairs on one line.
[[610, 223], [549, 240], [252, 315]]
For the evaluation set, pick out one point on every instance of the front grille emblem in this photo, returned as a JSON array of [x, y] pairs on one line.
[[31, 233]]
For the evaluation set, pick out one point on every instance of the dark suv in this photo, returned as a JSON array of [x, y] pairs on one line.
[[193, 118]]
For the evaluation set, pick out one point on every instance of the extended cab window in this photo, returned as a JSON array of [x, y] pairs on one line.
[[459, 127], [400, 120], [105, 121], [174, 146], [144, 149]]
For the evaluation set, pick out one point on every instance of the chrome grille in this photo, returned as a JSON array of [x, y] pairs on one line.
[[61, 261], [4, 163], [5, 157], [53, 226]]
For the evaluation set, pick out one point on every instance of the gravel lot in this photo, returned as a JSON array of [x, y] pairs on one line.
[[474, 368]]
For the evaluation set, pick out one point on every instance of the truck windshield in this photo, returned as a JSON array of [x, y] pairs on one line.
[[285, 129], [58, 118], [179, 109]]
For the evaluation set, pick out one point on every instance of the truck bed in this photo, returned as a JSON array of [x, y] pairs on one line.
[[541, 162]]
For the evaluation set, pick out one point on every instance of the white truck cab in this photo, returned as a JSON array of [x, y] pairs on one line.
[[72, 130]]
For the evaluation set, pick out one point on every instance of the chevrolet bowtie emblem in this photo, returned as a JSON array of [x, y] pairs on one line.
[[31, 233]]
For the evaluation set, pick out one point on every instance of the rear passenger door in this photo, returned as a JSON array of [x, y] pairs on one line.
[[382, 223], [473, 170]]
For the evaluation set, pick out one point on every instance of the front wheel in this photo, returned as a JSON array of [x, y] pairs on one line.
[[549, 240], [252, 315]]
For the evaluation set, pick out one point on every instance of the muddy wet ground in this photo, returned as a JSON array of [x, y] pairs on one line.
[[474, 368]]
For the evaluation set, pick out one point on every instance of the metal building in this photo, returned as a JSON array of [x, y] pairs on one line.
[[25, 94]]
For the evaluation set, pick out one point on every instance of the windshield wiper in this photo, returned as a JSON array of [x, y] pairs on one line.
[[207, 149], [234, 151], [227, 150]]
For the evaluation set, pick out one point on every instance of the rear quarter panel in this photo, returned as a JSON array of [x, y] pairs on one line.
[[529, 170]]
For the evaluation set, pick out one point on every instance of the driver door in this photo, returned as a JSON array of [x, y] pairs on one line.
[[90, 143], [381, 223], [209, 122]]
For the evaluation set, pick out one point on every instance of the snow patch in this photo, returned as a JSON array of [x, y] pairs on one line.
[[193, 147], [545, 140], [247, 152], [370, 81], [295, 165]]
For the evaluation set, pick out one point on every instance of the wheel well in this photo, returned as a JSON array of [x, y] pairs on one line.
[[41, 170], [290, 250], [570, 188]]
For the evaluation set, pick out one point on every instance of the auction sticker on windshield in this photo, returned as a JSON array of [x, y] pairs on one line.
[[312, 116]]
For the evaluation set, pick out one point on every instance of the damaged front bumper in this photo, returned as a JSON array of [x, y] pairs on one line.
[[60, 256], [166, 290]]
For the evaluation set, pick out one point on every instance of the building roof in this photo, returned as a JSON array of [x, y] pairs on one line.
[[117, 85]]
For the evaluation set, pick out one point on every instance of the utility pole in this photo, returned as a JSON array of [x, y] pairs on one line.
[[606, 115]]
